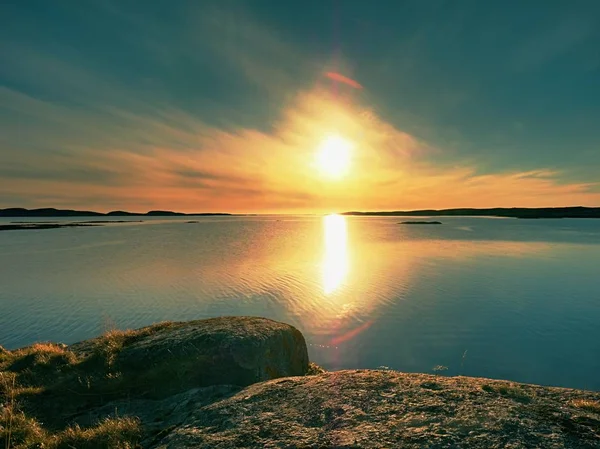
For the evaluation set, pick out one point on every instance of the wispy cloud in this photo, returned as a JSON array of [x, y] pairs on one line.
[[250, 170], [73, 136]]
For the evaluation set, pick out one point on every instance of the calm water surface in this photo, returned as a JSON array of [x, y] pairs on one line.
[[500, 298]]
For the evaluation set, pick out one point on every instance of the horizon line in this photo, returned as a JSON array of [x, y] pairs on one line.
[[51, 211]]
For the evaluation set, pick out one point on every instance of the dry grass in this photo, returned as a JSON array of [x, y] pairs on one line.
[[46, 383], [112, 433], [36, 365], [314, 369], [54, 367], [42, 349], [111, 342], [587, 405], [18, 431], [515, 392], [7, 415], [43, 386]]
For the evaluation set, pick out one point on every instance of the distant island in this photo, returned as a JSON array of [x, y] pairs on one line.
[[51, 212], [514, 212], [420, 222], [29, 225]]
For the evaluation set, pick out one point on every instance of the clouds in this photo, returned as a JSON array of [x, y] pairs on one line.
[[216, 109], [247, 170]]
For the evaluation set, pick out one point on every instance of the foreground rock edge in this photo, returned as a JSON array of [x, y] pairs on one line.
[[372, 409]]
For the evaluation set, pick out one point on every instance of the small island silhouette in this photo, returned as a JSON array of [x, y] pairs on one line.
[[52, 212], [420, 222], [513, 212], [65, 213]]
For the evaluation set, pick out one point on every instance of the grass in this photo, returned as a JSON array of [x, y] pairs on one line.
[[514, 392], [43, 387], [314, 369], [587, 405], [111, 433], [111, 342], [18, 431], [7, 386], [47, 383], [38, 364]]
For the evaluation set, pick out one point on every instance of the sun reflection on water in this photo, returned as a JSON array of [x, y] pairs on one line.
[[335, 260]]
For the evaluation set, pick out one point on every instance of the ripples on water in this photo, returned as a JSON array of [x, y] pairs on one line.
[[521, 297]]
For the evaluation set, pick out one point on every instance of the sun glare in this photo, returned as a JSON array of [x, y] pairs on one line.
[[335, 262], [333, 158]]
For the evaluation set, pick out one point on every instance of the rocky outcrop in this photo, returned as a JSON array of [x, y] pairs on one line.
[[174, 357], [244, 382], [128, 386], [376, 409]]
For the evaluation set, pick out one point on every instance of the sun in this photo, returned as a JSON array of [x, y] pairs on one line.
[[333, 157]]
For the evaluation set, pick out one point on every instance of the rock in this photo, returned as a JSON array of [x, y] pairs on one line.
[[158, 416], [373, 409], [191, 385], [174, 357]]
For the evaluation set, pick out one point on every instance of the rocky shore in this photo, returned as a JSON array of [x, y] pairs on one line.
[[238, 382]]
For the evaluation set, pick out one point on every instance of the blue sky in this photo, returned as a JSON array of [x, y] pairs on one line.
[[200, 105]]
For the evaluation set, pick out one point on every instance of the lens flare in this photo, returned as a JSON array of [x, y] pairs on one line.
[[343, 79]]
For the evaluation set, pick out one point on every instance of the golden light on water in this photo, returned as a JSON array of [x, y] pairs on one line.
[[335, 260], [333, 157]]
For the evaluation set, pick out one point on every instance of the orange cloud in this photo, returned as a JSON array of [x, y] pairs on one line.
[[179, 162]]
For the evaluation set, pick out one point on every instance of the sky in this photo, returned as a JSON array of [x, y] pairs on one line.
[[224, 106]]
